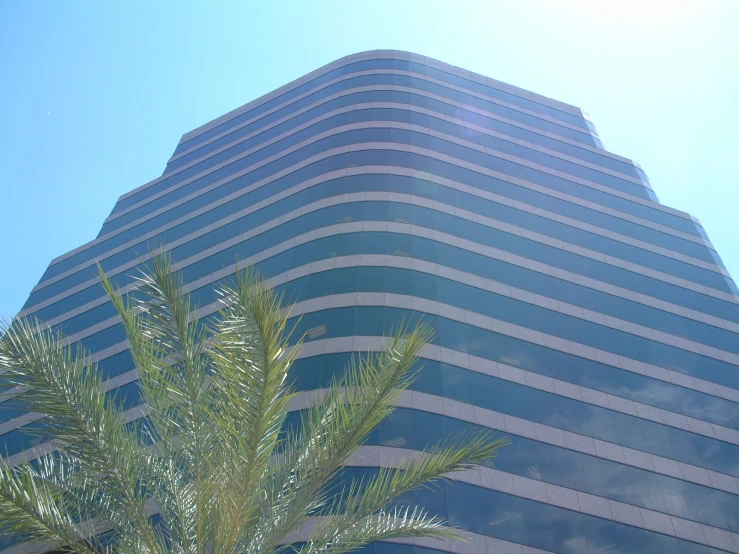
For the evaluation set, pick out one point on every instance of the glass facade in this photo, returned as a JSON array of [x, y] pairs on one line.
[[573, 312]]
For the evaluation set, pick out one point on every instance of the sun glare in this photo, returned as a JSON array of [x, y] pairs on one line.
[[656, 12]]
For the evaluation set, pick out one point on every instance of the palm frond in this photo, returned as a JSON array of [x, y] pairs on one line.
[[331, 537], [336, 426], [167, 344], [58, 382], [364, 500], [208, 454], [250, 360], [35, 508]]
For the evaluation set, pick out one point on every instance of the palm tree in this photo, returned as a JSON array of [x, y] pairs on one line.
[[211, 466]]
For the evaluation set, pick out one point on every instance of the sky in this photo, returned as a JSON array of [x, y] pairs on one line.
[[94, 96]]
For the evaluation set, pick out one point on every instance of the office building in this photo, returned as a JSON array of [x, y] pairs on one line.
[[575, 313]]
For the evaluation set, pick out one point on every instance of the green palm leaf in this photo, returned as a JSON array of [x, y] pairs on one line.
[[210, 467]]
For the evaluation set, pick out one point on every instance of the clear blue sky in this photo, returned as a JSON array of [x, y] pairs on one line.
[[94, 96]]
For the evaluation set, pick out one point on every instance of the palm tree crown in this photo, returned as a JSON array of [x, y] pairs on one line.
[[207, 464]]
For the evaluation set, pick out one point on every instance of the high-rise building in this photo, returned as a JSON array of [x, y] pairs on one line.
[[575, 313]]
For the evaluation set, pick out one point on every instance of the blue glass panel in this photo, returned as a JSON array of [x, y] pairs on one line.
[[258, 168], [428, 218], [348, 97], [363, 66], [540, 406]]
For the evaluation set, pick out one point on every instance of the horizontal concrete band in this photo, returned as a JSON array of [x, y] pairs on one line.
[[501, 327], [537, 431], [514, 374], [384, 226], [481, 416], [519, 486], [507, 483], [462, 277], [408, 107], [351, 171], [594, 397], [676, 378], [431, 235], [696, 426], [455, 185], [374, 145], [473, 543], [529, 429], [384, 87], [672, 377], [411, 107], [550, 435], [562, 497], [546, 240], [681, 379], [630, 365], [383, 54], [407, 88], [386, 55], [524, 163]]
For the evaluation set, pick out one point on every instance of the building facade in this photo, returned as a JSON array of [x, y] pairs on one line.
[[574, 313]]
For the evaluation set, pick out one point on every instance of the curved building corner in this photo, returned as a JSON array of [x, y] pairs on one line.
[[574, 313]]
